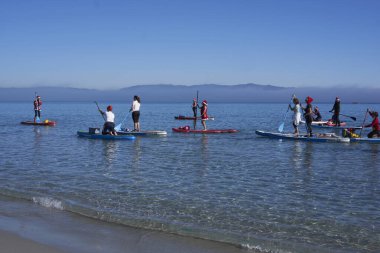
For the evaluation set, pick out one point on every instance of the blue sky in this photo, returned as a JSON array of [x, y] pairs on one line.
[[113, 44]]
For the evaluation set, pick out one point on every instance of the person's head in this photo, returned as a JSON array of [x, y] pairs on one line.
[[373, 114], [308, 100], [337, 99], [296, 101], [316, 108], [38, 97], [136, 98], [109, 108], [204, 102]]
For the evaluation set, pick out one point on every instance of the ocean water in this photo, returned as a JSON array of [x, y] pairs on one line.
[[256, 193]]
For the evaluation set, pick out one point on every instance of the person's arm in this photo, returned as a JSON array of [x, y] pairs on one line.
[[333, 109], [372, 124]]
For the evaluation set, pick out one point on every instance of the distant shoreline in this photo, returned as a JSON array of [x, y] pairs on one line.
[[241, 93]]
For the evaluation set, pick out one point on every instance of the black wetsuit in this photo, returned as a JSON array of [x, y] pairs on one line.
[[309, 118]]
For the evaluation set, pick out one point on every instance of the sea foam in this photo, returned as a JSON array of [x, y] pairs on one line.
[[48, 202]]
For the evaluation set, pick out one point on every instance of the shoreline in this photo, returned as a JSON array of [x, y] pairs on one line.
[[28, 227]]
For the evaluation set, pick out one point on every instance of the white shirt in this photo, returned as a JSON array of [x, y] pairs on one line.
[[297, 114], [135, 106], [110, 117]]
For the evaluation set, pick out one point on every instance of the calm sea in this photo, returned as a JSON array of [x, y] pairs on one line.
[[257, 193]]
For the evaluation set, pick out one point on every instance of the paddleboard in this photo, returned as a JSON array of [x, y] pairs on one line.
[[86, 134], [330, 125], [42, 123], [208, 131], [365, 139], [144, 133], [326, 137], [180, 117]]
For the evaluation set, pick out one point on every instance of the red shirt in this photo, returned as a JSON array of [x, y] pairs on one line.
[[204, 112], [374, 124]]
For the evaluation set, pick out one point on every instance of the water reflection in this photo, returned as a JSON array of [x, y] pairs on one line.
[[204, 154], [37, 152], [110, 149], [137, 151], [302, 155]]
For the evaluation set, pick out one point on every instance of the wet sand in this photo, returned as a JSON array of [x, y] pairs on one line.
[[13, 243], [27, 227]]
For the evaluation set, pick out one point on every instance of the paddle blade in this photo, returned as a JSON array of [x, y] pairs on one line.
[[353, 118], [281, 127], [118, 127]]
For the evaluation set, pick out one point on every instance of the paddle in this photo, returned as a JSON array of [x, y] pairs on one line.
[[365, 117], [38, 120], [281, 127], [353, 118], [118, 127], [103, 116]]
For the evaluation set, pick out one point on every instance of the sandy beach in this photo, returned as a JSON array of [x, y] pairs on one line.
[[27, 227], [12, 243]]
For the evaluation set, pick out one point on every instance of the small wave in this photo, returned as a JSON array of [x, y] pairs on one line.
[[48, 202], [257, 248]]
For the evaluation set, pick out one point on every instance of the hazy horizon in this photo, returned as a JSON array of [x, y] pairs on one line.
[[181, 93]]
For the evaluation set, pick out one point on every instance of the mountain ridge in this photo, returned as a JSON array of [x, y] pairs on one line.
[[246, 93]]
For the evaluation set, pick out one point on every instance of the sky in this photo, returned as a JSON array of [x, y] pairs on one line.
[[106, 44]]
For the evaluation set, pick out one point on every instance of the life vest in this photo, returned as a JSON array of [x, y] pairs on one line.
[[37, 105]]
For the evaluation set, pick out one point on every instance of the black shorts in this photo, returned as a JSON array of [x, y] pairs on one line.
[[108, 127], [136, 116]]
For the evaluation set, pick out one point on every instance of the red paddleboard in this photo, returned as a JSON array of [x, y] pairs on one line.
[[42, 123], [180, 117], [208, 131]]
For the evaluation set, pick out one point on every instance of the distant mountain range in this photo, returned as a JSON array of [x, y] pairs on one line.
[[161, 93]]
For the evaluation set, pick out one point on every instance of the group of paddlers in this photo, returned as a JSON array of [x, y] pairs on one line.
[[311, 115], [308, 112], [109, 117]]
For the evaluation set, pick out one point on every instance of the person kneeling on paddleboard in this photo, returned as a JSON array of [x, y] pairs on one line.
[[317, 113], [204, 115], [109, 125], [375, 125]]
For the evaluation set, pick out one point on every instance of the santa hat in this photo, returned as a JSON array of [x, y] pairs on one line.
[[309, 100]]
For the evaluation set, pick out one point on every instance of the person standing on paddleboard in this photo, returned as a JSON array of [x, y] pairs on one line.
[[194, 106], [308, 115], [135, 109], [336, 111], [375, 125], [204, 115], [297, 114], [109, 125], [37, 108]]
